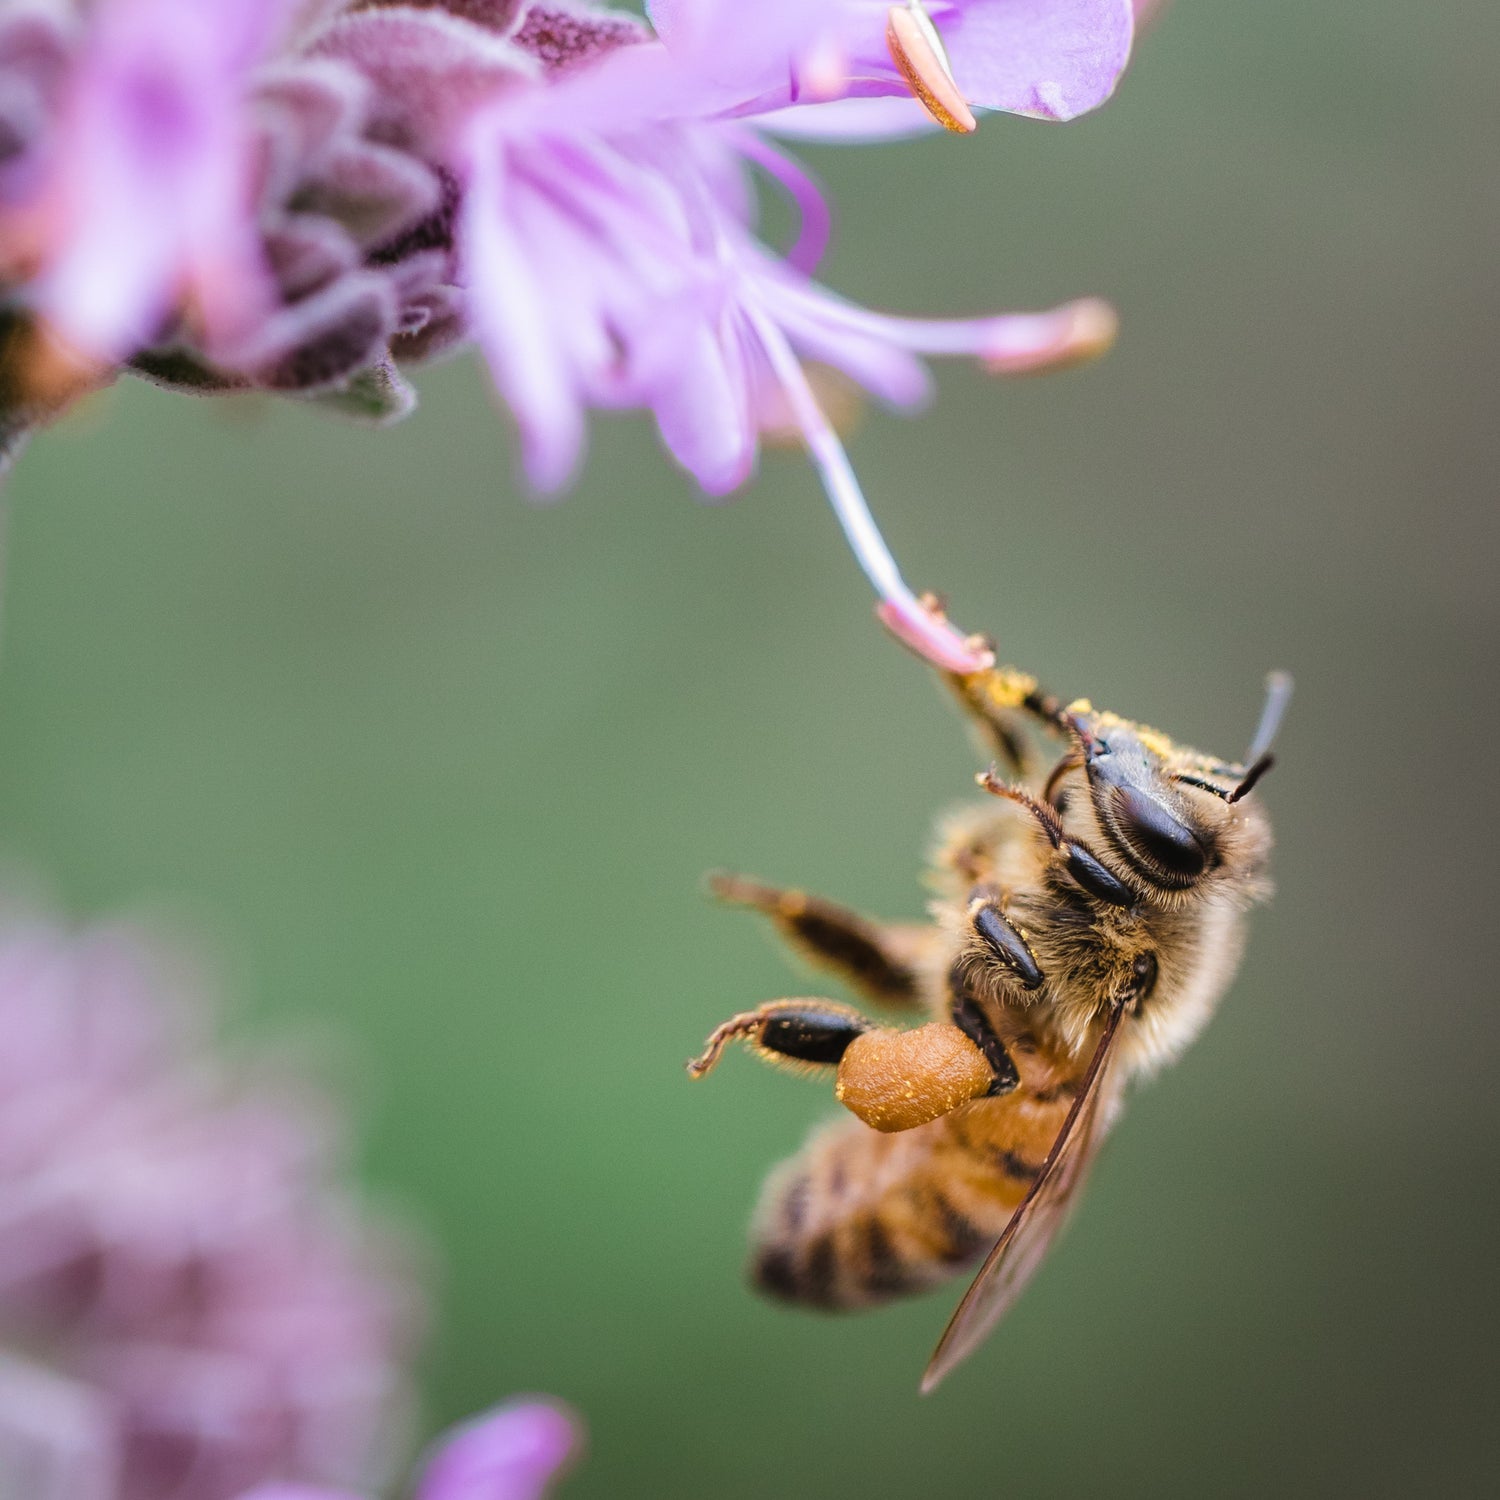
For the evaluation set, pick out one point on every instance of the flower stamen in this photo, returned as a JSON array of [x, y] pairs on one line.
[[917, 50]]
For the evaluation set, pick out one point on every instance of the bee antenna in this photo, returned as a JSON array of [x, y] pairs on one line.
[[1248, 780], [1278, 695], [1045, 814]]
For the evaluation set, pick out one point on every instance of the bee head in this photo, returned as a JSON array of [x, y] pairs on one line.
[[1146, 822], [1171, 815]]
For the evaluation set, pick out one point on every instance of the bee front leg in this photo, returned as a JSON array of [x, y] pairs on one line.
[[1000, 700]]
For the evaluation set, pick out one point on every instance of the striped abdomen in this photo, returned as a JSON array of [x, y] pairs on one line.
[[858, 1217]]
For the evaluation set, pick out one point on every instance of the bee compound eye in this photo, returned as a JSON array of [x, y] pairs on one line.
[[1157, 836]]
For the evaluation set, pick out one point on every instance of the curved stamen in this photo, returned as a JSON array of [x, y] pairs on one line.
[[917, 50]]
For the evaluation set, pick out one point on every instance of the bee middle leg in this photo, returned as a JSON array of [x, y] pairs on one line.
[[878, 959], [891, 1079]]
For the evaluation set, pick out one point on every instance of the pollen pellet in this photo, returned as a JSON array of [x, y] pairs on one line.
[[896, 1079]]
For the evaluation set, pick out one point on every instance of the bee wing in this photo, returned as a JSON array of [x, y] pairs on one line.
[[1040, 1214]]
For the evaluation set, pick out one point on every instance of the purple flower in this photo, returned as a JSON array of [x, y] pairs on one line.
[[189, 1304], [511, 1453], [296, 195], [618, 267]]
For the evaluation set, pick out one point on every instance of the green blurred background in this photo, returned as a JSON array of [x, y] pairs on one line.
[[443, 771]]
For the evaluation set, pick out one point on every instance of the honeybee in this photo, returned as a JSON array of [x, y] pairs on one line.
[[1084, 924]]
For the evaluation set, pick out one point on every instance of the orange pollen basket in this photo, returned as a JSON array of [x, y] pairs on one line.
[[917, 53]]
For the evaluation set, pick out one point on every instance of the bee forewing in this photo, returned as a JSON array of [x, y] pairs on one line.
[[1029, 1234]]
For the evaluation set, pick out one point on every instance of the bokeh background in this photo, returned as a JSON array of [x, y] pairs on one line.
[[439, 774]]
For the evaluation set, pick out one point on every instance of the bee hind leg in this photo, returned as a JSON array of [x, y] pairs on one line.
[[892, 1080], [805, 1033], [878, 959]]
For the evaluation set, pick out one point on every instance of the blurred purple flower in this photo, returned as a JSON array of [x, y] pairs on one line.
[[511, 1453], [150, 203], [188, 1302], [619, 268]]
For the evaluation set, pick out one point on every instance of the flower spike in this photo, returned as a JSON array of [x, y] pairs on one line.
[[917, 50]]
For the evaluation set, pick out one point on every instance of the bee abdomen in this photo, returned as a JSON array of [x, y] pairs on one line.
[[860, 1218], [855, 1264]]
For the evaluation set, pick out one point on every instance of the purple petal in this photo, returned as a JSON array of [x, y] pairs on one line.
[[510, 317], [1050, 58], [745, 53], [152, 191], [513, 1453], [691, 373], [814, 217]]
